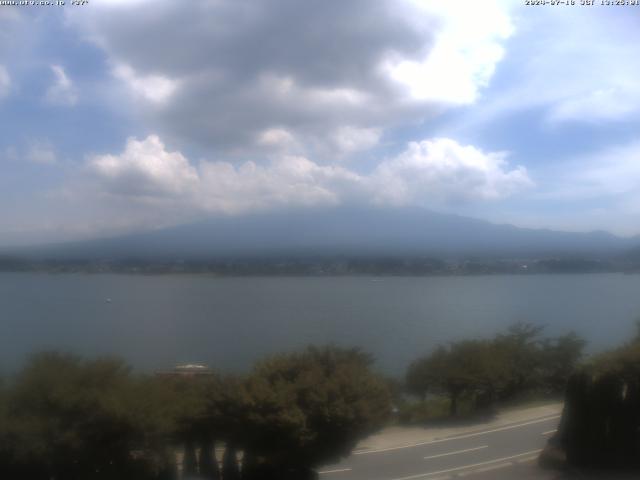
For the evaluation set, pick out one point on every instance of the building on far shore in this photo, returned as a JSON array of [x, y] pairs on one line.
[[187, 370]]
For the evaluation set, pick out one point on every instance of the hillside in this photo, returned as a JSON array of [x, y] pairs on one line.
[[326, 233]]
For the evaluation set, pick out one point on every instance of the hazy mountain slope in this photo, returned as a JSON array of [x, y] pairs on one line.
[[327, 232]]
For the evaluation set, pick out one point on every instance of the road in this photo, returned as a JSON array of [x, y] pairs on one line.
[[500, 452]]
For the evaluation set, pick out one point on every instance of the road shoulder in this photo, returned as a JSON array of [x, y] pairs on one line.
[[397, 437]]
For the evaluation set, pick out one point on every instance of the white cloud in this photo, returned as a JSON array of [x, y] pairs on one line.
[[41, 153], [279, 138], [442, 172], [336, 145], [63, 91], [432, 173], [468, 45], [149, 185], [5, 82], [153, 88], [286, 181], [145, 169]]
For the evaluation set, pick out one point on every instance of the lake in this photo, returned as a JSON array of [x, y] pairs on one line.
[[154, 322]]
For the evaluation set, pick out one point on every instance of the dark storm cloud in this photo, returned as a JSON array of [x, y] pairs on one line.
[[243, 67], [319, 42]]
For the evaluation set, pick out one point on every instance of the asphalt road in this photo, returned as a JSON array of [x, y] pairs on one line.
[[505, 452]]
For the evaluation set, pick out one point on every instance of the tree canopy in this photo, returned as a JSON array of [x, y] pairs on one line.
[[70, 418], [514, 362], [312, 407]]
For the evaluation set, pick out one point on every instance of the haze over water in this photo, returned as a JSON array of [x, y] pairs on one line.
[[154, 322]]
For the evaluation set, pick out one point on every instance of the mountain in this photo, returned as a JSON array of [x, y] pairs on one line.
[[330, 232]]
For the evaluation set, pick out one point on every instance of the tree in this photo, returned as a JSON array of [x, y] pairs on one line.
[[469, 368], [5, 445], [520, 350], [69, 418], [560, 357], [311, 407], [512, 363], [472, 368], [197, 420], [230, 469], [636, 338], [600, 421], [418, 379]]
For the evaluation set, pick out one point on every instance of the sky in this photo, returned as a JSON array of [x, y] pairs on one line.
[[127, 115]]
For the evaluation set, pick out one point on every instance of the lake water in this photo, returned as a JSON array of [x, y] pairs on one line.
[[154, 322]]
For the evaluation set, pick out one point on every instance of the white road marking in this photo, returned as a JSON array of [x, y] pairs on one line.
[[527, 459], [490, 468], [456, 452], [337, 470], [459, 437], [549, 432], [466, 467]]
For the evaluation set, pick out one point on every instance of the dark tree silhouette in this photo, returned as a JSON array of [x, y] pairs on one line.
[[207, 463], [601, 418], [230, 470]]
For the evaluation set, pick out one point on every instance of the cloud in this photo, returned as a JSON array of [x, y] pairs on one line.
[[333, 77], [275, 137], [156, 89], [570, 77], [9, 154], [41, 153], [149, 185], [284, 182], [596, 84], [611, 173], [431, 172], [5, 82], [350, 139], [144, 169], [63, 92], [443, 172], [607, 104], [597, 191], [466, 49], [11, 19]]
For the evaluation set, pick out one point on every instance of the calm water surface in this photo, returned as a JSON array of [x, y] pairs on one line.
[[157, 321]]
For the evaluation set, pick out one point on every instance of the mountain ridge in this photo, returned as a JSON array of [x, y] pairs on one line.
[[330, 232]]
